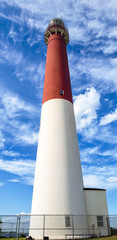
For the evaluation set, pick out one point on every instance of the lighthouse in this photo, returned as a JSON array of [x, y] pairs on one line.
[[58, 192]]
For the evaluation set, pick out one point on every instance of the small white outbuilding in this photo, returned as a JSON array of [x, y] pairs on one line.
[[97, 211]]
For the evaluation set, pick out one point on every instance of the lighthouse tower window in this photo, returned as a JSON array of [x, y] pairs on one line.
[[68, 221], [100, 221], [61, 92]]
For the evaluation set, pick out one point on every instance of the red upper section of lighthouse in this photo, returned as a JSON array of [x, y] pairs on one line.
[[57, 79]]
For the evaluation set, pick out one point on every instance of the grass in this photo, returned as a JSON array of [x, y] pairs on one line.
[[9, 238], [109, 238], [105, 238], [101, 238]]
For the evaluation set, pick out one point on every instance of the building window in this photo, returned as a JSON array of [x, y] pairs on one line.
[[61, 92], [68, 221], [100, 221]]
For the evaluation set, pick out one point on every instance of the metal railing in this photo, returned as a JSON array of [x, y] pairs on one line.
[[57, 226]]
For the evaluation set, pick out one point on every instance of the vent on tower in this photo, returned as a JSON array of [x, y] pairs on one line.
[[61, 92], [68, 221]]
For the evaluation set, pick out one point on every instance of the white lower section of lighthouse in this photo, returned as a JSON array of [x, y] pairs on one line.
[[58, 183]]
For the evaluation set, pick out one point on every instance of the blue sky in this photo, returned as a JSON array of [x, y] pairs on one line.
[[92, 55]]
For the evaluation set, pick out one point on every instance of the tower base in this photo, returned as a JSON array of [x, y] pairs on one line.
[[58, 227]]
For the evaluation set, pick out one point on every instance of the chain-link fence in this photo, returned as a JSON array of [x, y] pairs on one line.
[[57, 226]]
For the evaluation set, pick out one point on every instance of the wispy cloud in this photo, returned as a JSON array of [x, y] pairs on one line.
[[98, 71], [88, 155], [31, 72], [102, 133], [106, 134], [13, 110], [2, 140], [110, 47], [111, 152], [14, 105], [9, 54], [87, 27], [21, 167], [24, 169], [23, 133], [112, 179], [101, 177], [85, 106], [32, 40], [10, 153], [27, 135], [1, 183], [14, 180], [24, 68], [109, 118], [88, 17], [92, 180]]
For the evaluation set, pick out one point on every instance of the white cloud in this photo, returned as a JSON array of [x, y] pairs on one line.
[[29, 180], [114, 62], [12, 111], [37, 14], [19, 167], [100, 133], [83, 25], [13, 34], [110, 47], [87, 153], [14, 18], [113, 33], [25, 69], [2, 140], [86, 70], [10, 153], [24, 133], [85, 106], [9, 54], [22, 168], [13, 105], [33, 40], [102, 72], [109, 118], [14, 180], [26, 219], [32, 72], [1, 183], [106, 134], [101, 177], [112, 179], [111, 152], [28, 136], [92, 180]]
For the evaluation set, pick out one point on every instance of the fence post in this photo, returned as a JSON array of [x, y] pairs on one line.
[[97, 233], [18, 226], [0, 225], [73, 225], [43, 226]]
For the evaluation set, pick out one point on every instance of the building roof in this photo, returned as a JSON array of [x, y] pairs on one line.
[[95, 189]]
